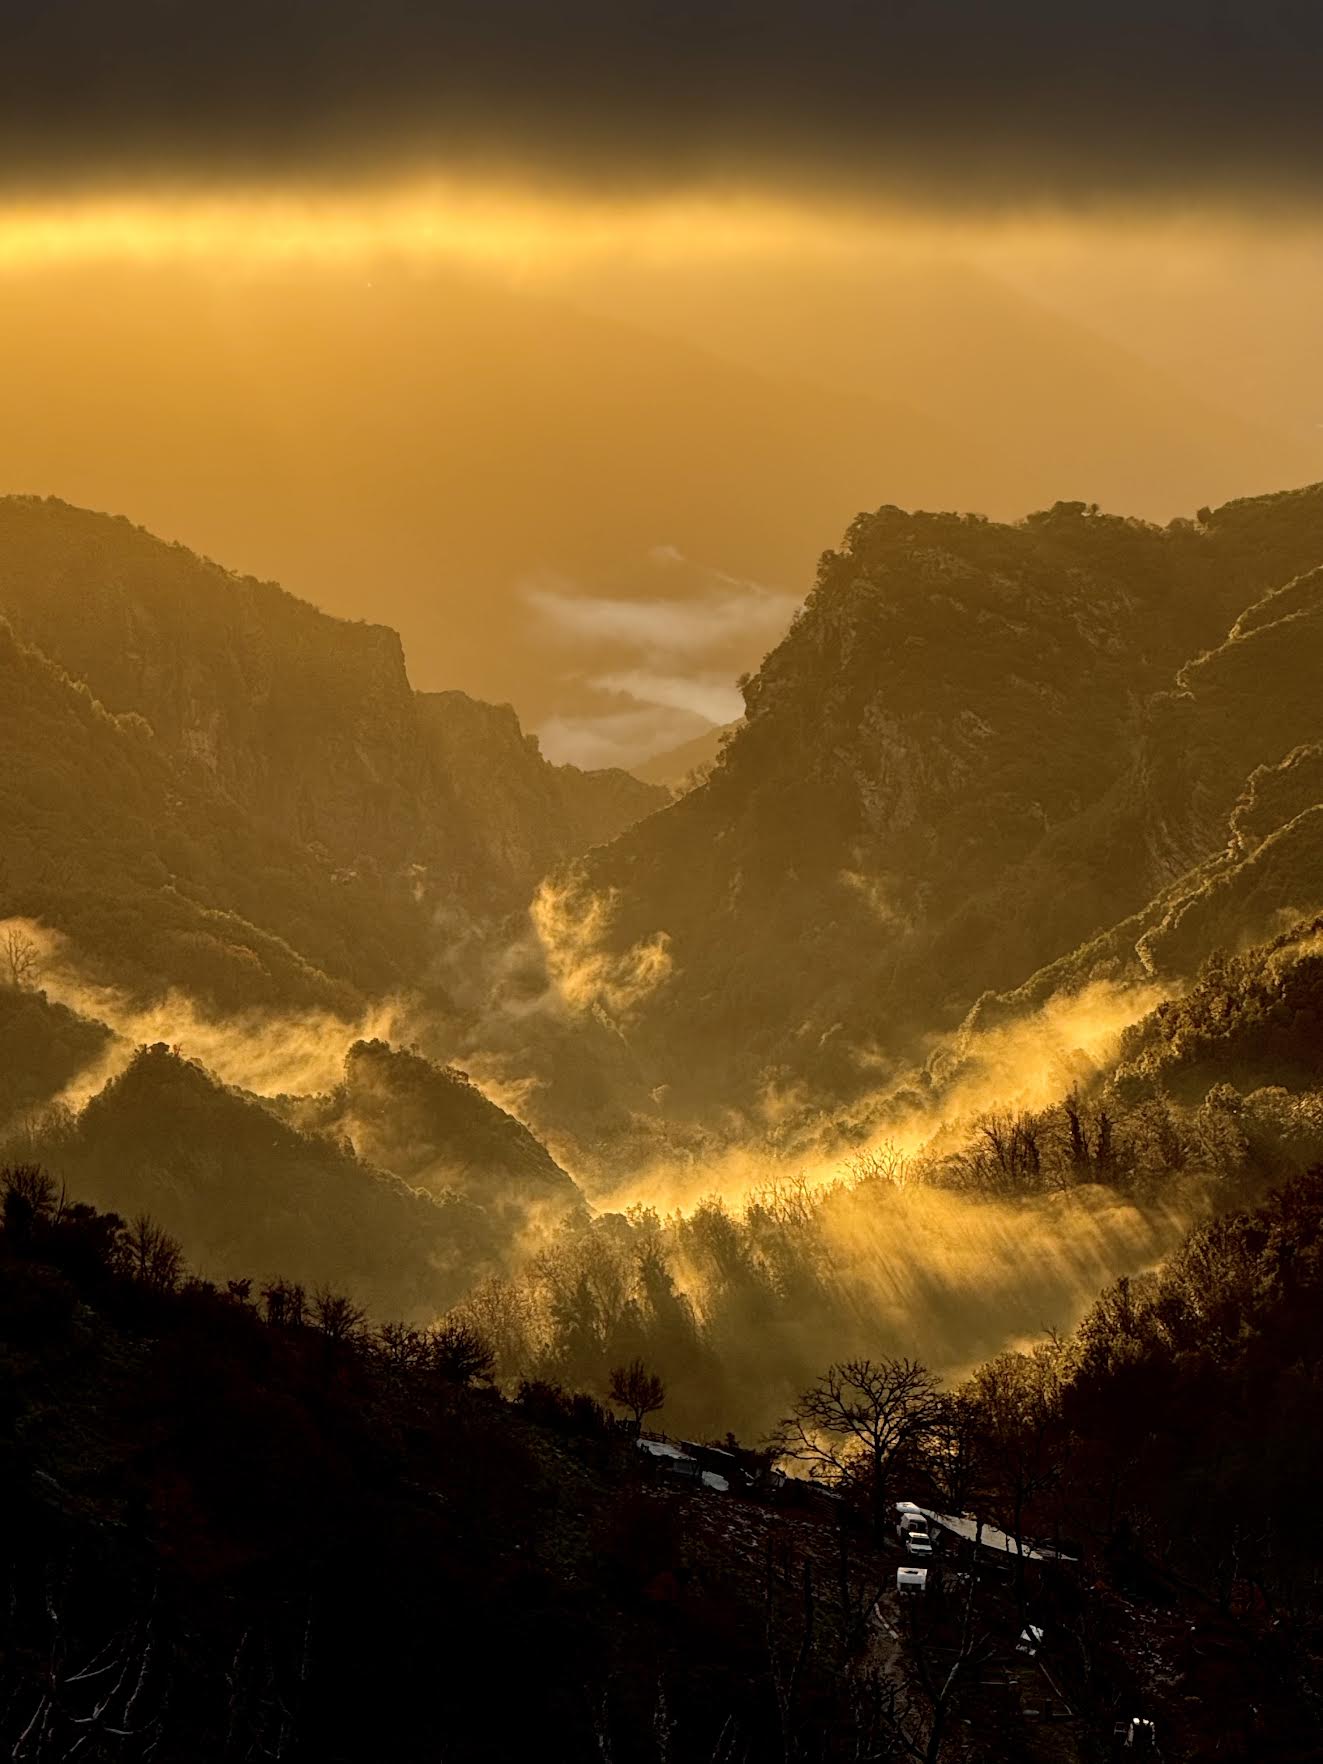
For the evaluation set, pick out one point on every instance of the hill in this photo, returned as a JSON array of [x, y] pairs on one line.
[[258, 1198], [978, 748], [236, 1523], [248, 768]]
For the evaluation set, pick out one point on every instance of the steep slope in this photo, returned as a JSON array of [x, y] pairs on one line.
[[923, 802], [1220, 814], [258, 1198], [156, 875], [434, 1128], [509, 816], [338, 810], [42, 1046], [681, 766]]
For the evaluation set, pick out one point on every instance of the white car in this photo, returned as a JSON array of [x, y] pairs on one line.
[[918, 1543]]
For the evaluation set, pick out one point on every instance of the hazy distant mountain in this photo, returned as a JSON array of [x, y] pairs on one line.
[[678, 766], [986, 765]]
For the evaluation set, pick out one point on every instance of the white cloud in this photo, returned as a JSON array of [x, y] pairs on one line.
[[709, 696], [673, 655], [618, 738]]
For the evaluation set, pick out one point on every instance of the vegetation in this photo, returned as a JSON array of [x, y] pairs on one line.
[[311, 1484], [165, 807], [242, 1524]]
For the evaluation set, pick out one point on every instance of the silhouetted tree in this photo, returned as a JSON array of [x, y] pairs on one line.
[[29, 1199], [1017, 1400], [856, 1418], [634, 1388], [459, 1353], [285, 1303], [339, 1318], [20, 956], [149, 1254]]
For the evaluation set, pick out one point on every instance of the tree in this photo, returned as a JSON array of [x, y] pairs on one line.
[[339, 1318], [953, 1455], [856, 1419], [150, 1255], [1017, 1399], [459, 1353], [634, 1388], [30, 1200], [20, 957], [286, 1304]]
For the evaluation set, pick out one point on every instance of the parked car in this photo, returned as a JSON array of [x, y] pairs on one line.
[[918, 1543]]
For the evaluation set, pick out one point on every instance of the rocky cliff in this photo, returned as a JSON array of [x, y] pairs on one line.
[[979, 747], [294, 737]]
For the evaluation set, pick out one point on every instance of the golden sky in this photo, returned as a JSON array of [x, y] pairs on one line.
[[494, 414]]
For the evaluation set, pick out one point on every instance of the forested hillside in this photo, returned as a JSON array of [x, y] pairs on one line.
[[245, 1514], [977, 978], [197, 764], [979, 748]]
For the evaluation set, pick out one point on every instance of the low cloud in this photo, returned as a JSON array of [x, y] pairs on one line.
[[663, 662], [618, 738]]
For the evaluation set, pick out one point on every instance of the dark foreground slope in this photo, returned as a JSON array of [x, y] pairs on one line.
[[234, 1532]]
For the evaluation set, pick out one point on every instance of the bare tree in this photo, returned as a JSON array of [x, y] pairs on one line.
[[150, 1254], [339, 1318], [884, 1163], [634, 1388], [855, 1420], [460, 1353], [20, 957], [954, 1455], [286, 1305]]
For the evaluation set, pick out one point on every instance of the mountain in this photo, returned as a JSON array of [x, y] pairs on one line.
[[423, 445], [978, 748], [233, 762], [418, 442], [43, 1046], [258, 1198], [679, 767], [157, 877], [433, 1128]]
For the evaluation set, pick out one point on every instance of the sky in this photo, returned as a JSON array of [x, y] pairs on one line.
[[565, 339]]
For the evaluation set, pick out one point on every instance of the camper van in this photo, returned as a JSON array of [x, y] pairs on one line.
[[913, 1532]]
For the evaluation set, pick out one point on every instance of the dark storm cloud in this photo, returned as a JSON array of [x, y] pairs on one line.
[[930, 96]]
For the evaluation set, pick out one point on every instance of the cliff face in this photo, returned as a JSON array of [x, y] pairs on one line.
[[503, 815], [157, 876], [253, 706], [950, 775], [1213, 840]]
